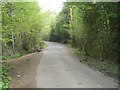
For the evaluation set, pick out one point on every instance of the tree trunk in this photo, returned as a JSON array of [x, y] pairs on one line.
[[13, 43]]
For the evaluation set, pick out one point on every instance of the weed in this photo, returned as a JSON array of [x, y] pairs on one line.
[[4, 85]]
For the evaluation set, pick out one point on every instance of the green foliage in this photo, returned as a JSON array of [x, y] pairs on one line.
[[107, 67], [10, 57], [92, 28], [59, 31], [22, 23], [4, 85], [43, 45], [80, 53], [49, 20]]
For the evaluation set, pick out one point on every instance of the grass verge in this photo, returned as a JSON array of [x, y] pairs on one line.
[[6, 57]]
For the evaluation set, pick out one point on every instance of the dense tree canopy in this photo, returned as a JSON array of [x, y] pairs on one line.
[[59, 31], [93, 28], [22, 23]]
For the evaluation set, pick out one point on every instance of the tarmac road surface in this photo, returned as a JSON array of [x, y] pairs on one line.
[[59, 69]]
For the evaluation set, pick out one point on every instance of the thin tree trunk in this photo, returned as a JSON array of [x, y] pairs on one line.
[[13, 43]]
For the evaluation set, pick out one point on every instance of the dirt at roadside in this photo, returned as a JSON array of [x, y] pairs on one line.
[[24, 70], [93, 63]]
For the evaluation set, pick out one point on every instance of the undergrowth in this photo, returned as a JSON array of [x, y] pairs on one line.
[[4, 85], [105, 66]]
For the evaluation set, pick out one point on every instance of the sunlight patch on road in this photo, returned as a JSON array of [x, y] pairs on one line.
[[44, 52], [99, 86], [60, 47]]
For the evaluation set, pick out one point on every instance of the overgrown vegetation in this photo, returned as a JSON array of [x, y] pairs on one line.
[[9, 57], [59, 30], [24, 27], [105, 66], [21, 27], [4, 85], [92, 29]]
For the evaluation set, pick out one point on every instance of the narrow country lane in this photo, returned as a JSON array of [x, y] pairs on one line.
[[59, 69], [27, 61]]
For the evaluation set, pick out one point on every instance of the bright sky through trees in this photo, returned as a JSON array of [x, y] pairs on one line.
[[51, 5]]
